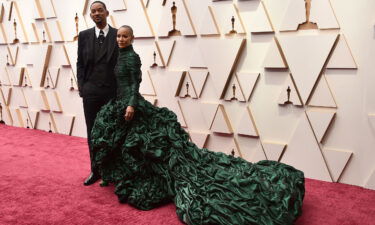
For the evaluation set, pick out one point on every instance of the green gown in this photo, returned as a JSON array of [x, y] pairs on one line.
[[151, 161]]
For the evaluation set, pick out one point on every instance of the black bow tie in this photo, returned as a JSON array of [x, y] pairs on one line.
[[101, 37]]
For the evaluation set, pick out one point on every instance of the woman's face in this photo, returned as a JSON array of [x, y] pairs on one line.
[[124, 37]]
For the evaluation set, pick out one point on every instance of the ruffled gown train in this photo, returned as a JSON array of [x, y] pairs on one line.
[[151, 162]]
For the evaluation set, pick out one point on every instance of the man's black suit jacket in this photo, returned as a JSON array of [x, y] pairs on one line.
[[86, 55]]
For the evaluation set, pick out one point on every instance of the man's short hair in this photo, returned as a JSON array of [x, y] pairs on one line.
[[100, 2]]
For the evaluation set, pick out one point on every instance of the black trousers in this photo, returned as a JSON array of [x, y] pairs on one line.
[[91, 106]]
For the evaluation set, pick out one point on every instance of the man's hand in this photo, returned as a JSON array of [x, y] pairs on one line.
[[129, 113], [80, 91]]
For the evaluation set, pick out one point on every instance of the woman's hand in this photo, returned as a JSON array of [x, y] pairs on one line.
[[129, 113]]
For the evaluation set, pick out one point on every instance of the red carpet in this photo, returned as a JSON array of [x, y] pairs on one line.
[[41, 177]]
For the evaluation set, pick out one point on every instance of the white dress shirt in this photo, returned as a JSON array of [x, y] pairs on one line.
[[105, 30]]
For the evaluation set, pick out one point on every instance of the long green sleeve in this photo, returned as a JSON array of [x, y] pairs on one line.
[[135, 79]]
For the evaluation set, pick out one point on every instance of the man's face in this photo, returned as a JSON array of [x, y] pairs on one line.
[[98, 13]]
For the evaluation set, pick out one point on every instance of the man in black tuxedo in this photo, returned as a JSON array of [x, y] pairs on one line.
[[97, 57]]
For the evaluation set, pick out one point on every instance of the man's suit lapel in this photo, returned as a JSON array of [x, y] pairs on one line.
[[111, 36], [91, 44]]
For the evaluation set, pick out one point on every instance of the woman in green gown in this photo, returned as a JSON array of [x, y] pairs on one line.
[[145, 153]]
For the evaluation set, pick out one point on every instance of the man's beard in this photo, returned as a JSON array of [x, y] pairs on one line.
[[100, 22]]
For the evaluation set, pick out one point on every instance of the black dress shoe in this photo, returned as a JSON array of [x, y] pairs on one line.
[[104, 183], [93, 177]]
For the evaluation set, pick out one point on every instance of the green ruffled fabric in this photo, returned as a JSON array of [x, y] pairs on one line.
[[151, 162]]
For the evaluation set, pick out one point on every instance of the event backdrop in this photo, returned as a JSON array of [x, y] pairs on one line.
[[285, 80]]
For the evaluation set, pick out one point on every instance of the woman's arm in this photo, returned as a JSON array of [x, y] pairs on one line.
[[135, 76]]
